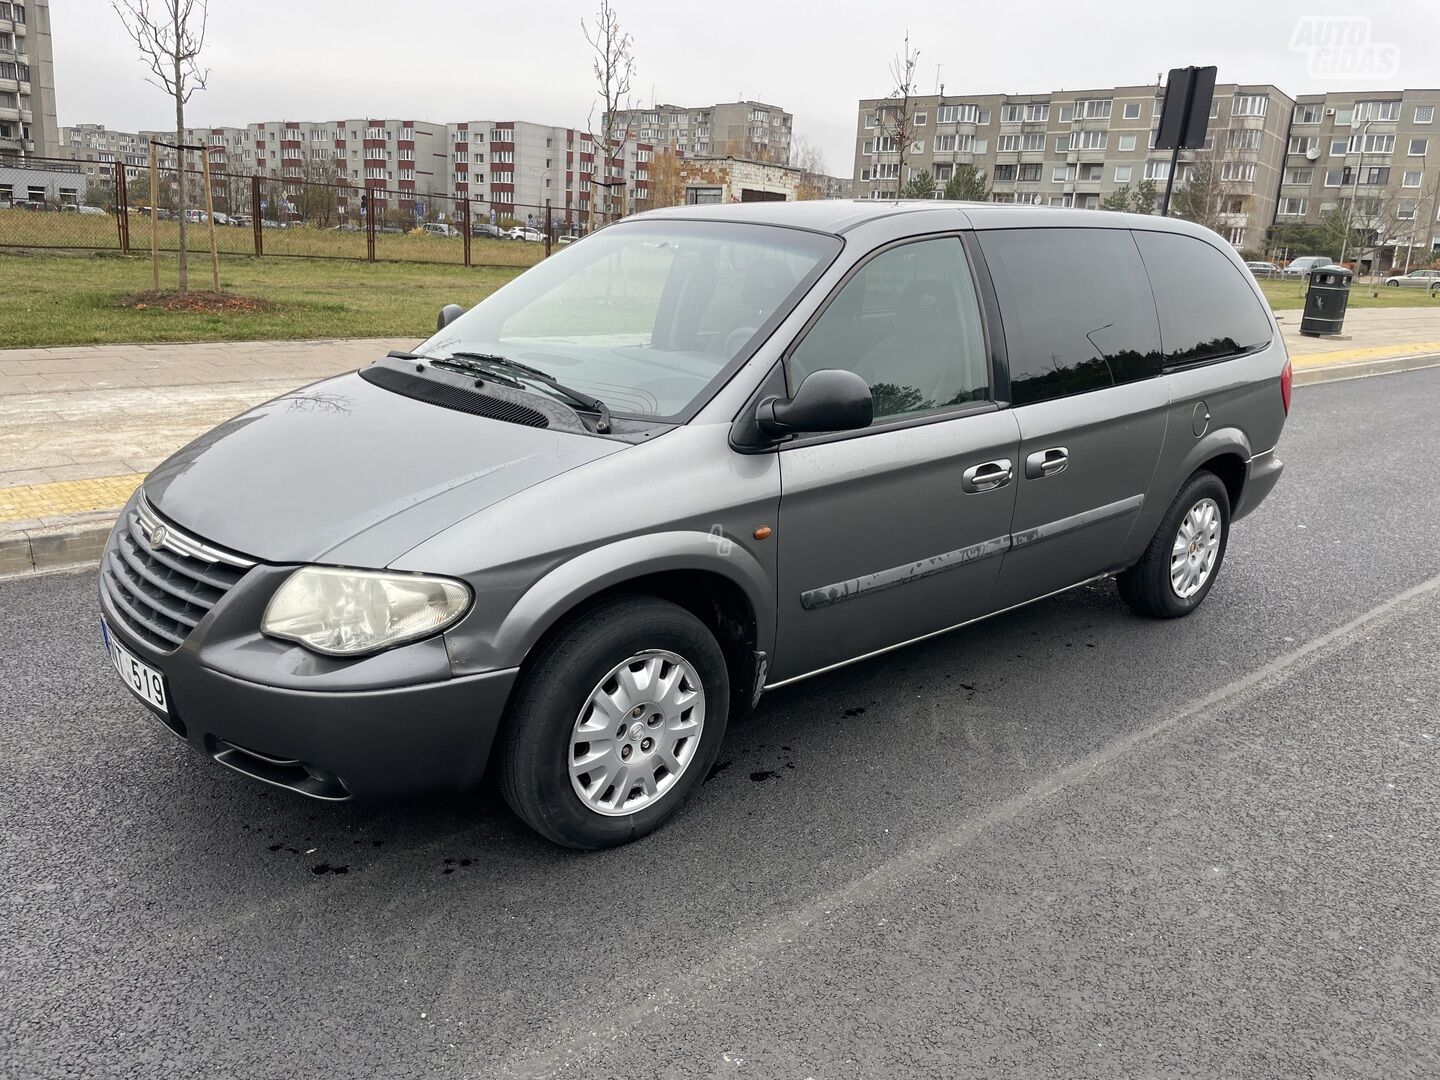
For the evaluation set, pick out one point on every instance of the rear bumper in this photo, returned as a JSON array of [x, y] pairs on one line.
[[1262, 473], [332, 744]]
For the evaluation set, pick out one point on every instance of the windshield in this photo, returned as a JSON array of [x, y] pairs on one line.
[[645, 315]]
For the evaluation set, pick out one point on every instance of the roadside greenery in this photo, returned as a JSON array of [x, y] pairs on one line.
[[91, 299]]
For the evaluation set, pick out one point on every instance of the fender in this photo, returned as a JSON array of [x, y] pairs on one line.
[[592, 572], [1223, 440]]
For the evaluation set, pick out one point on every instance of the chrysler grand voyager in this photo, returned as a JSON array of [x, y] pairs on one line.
[[705, 452]]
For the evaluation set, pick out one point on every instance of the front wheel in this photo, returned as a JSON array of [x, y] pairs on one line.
[[615, 723], [1177, 570]]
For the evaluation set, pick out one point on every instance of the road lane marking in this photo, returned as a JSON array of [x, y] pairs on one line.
[[750, 949]]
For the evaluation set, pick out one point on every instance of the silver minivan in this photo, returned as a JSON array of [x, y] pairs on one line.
[[708, 452]]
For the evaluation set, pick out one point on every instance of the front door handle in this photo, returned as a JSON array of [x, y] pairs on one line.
[[987, 476], [1044, 463]]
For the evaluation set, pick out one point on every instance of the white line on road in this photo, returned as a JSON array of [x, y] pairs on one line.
[[749, 949]]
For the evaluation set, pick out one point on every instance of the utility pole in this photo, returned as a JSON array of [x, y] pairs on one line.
[[1355, 194]]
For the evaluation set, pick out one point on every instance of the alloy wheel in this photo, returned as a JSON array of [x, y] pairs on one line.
[[637, 733], [1196, 547]]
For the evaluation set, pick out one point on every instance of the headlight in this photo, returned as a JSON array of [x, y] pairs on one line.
[[350, 612]]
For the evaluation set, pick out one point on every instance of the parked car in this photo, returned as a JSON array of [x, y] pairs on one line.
[[1304, 264], [92, 211], [568, 238], [1264, 269], [905, 428], [1416, 279], [439, 228], [520, 232], [485, 229]]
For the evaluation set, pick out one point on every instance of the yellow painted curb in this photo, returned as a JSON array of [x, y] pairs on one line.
[[29, 501], [1375, 352]]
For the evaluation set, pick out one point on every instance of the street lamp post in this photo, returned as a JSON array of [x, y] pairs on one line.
[[1355, 193]]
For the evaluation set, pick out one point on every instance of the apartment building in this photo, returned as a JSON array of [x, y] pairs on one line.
[[744, 129], [518, 168], [1075, 148], [99, 151], [28, 125], [1374, 155]]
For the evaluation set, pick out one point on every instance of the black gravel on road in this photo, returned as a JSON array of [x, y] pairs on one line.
[[1064, 843]]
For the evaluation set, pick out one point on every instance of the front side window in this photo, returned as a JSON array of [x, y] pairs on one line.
[[908, 323], [1208, 310], [1077, 310], [645, 315]]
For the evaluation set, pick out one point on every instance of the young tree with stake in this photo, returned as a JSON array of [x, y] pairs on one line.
[[614, 69], [170, 35]]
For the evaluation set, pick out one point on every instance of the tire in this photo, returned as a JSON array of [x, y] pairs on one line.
[[1393, 284], [1148, 586], [651, 639]]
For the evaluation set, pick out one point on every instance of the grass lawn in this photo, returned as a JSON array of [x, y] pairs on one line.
[[1289, 295], [72, 299], [75, 298]]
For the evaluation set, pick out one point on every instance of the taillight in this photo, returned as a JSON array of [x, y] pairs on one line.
[[1287, 379]]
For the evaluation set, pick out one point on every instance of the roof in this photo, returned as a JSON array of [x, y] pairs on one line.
[[838, 216]]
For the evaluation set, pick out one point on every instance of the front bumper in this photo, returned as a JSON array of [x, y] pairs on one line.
[[331, 742]]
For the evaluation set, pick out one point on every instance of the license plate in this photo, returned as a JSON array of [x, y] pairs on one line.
[[144, 681]]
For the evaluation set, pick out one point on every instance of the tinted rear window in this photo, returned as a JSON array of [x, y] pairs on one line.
[[1207, 307], [1077, 308]]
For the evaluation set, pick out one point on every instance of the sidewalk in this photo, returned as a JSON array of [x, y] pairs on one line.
[[80, 427]]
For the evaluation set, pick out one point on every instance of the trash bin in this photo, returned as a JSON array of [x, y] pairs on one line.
[[1326, 300]]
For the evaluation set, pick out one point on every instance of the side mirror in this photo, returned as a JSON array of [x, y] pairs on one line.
[[828, 400], [448, 314]]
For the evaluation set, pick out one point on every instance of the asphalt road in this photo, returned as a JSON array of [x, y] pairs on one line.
[[1064, 843]]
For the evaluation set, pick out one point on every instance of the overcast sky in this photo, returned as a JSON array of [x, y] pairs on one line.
[[445, 60]]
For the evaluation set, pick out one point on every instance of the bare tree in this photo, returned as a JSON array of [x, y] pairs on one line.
[[1205, 196], [614, 70], [667, 180], [170, 44], [315, 194], [897, 113], [806, 156], [1412, 225], [1365, 221]]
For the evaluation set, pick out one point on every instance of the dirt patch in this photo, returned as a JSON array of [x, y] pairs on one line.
[[197, 303]]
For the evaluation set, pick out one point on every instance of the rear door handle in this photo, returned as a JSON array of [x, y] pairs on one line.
[[1044, 463], [987, 476]]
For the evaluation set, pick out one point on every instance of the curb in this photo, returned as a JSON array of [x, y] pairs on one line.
[[76, 543], [1362, 369], [81, 541]]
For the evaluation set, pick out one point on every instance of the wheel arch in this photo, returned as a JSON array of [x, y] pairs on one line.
[[1225, 452], [718, 581]]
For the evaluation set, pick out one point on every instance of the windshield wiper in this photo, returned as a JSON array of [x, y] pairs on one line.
[[478, 363]]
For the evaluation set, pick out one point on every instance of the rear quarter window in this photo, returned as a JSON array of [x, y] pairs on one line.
[[1077, 310], [1208, 309]]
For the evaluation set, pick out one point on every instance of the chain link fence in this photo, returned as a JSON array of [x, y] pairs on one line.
[[55, 203]]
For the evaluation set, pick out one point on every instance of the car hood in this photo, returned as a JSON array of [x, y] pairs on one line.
[[346, 472]]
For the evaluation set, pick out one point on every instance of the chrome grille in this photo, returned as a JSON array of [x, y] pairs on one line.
[[162, 582]]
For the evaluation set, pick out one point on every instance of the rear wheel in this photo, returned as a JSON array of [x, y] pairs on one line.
[[615, 724], [1393, 284], [1177, 570]]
